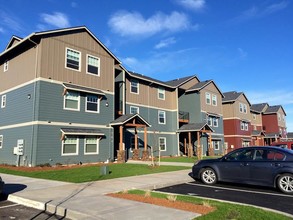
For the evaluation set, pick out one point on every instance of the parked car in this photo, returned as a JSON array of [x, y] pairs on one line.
[[284, 144], [1, 185], [265, 166]]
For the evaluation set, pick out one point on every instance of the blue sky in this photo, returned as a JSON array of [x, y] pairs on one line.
[[243, 45]]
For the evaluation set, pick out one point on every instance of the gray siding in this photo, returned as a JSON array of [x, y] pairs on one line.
[[191, 103]]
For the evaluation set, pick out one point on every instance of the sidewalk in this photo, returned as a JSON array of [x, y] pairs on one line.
[[88, 200]]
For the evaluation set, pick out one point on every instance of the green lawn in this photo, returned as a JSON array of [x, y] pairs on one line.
[[92, 173], [183, 159], [223, 210]]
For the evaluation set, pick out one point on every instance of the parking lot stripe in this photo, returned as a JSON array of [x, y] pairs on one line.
[[7, 206]]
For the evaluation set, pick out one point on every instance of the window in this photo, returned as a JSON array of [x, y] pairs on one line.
[[208, 98], [134, 110], [274, 155], [283, 118], [70, 146], [93, 65], [162, 143], [215, 122], [161, 93], [92, 103], [242, 108], [71, 100], [162, 117], [210, 121], [1, 141], [216, 145], [240, 155], [214, 100], [134, 86], [279, 117], [73, 59], [244, 126], [91, 145], [245, 143], [3, 101], [6, 66]]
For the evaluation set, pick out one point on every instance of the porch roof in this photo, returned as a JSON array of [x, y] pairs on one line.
[[195, 127]]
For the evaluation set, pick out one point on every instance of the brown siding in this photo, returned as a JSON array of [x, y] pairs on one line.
[[53, 61], [189, 83], [20, 70], [211, 88], [231, 110], [148, 96]]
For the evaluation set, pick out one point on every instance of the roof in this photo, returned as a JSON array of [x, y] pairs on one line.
[[82, 131], [13, 39], [257, 133], [31, 39], [259, 108], [200, 85], [149, 79], [233, 96], [274, 109], [180, 81], [126, 118], [195, 127]]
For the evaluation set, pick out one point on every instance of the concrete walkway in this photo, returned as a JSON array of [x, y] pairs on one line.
[[89, 201]]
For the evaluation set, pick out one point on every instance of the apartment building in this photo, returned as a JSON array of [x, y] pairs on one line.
[[237, 120]]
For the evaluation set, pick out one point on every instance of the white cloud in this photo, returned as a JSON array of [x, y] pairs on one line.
[[195, 5], [273, 97], [165, 43], [57, 19], [242, 53], [1, 30], [10, 21], [128, 24]]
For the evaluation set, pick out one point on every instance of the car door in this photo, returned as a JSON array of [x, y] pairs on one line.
[[263, 170], [235, 166]]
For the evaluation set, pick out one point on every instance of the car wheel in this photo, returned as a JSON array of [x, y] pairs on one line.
[[208, 176], [285, 183]]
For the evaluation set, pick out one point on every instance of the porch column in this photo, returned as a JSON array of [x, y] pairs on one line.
[[121, 151], [198, 148], [190, 150], [135, 155], [145, 153]]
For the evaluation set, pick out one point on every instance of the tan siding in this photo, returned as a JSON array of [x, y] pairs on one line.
[[189, 84], [232, 110], [148, 96], [53, 61], [228, 110], [257, 121], [281, 123], [211, 88], [20, 70]]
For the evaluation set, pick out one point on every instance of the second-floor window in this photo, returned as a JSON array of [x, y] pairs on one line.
[[6, 65], [244, 126], [279, 117], [93, 65], [208, 98], [161, 93], [162, 117], [213, 121], [283, 118], [73, 59], [3, 101], [214, 100], [216, 145], [242, 108], [134, 110], [92, 103], [134, 86], [71, 100]]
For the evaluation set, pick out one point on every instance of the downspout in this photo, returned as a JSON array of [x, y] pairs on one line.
[[34, 103]]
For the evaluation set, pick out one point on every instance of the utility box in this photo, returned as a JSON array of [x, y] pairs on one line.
[[104, 170]]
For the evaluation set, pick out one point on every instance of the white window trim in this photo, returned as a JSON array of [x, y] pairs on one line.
[[3, 101], [210, 100], [6, 65], [217, 122], [97, 147], [165, 143], [71, 154], [214, 98], [134, 107], [161, 90], [99, 66], [72, 109], [241, 107], [134, 80], [164, 117], [245, 108], [1, 141], [79, 66], [98, 107], [214, 145]]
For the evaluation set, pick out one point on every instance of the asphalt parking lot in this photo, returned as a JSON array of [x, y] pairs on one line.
[[10, 210], [257, 196]]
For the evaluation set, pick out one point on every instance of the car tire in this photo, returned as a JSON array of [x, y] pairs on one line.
[[208, 176], [285, 183]]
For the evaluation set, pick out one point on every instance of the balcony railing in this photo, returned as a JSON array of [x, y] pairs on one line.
[[183, 116]]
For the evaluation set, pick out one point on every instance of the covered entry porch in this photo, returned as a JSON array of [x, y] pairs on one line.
[[191, 137], [121, 125]]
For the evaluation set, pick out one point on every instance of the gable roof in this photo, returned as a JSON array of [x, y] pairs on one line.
[[32, 38], [195, 127], [180, 81], [273, 109], [200, 85], [149, 79], [126, 118], [12, 40], [233, 96], [259, 108]]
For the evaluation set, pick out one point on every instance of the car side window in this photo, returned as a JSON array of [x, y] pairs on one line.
[[241, 155], [275, 155]]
